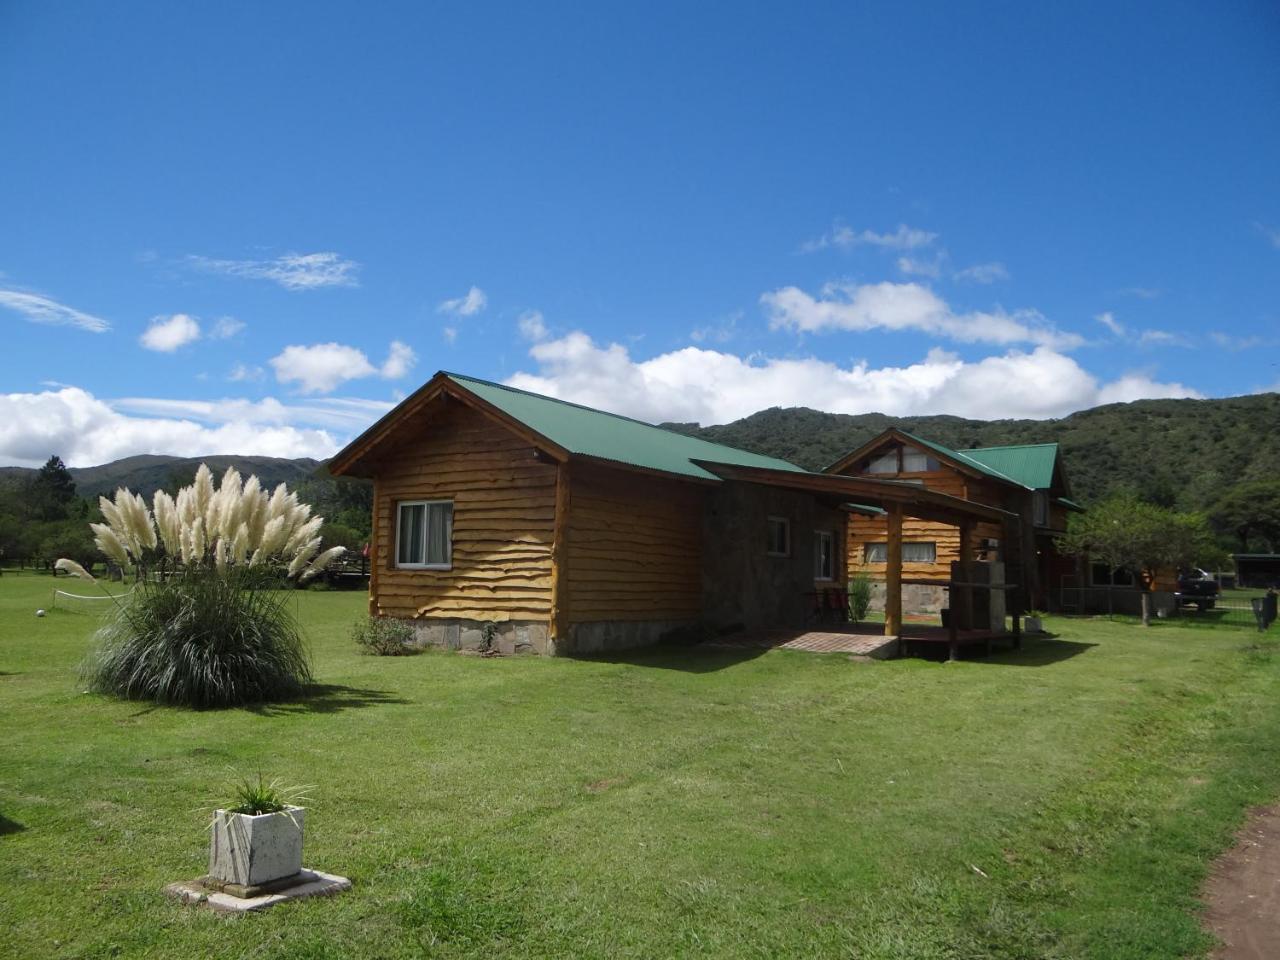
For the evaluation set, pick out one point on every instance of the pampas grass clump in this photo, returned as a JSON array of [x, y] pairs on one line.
[[207, 624]]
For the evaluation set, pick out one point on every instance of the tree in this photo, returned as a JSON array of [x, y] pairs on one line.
[[1129, 534], [1250, 509], [53, 491]]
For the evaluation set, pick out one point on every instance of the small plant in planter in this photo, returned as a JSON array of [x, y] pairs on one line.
[[257, 837]]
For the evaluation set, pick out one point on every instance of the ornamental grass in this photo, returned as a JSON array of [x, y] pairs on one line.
[[209, 623]]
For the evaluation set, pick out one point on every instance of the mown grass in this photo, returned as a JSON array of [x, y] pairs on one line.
[[1061, 802]]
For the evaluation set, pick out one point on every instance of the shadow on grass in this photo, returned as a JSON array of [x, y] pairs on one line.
[[8, 826], [1041, 651], [699, 658], [328, 698]]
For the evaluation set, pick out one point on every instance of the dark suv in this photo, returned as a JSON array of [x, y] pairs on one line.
[[1197, 587]]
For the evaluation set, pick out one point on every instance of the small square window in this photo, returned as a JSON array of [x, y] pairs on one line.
[[779, 537]]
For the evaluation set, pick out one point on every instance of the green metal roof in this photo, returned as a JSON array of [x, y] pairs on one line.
[[594, 433], [964, 456], [1029, 464]]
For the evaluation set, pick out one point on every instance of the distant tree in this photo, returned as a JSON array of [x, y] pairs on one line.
[[53, 491], [1247, 510], [1127, 533], [69, 538]]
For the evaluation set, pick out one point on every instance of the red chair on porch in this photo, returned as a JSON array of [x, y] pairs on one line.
[[836, 602]]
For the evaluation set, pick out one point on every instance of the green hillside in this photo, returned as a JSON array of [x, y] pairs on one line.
[[1178, 452], [147, 473]]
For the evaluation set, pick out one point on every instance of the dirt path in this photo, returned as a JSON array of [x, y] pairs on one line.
[[1242, 896]]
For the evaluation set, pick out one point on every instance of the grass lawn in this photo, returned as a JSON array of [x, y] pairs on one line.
[[1060, 802]]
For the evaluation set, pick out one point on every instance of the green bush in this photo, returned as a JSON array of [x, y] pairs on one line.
[[205, 639], [859, 597], [383, 636]]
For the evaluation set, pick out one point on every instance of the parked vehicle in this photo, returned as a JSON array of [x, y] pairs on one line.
[[1197, 587]]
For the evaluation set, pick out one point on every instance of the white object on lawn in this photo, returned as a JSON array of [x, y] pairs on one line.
[[251, 850], [39, 613]]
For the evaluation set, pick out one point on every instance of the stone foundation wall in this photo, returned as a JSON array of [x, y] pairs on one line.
[[531, 636], [604, 636], [916, 597], [512, 636]]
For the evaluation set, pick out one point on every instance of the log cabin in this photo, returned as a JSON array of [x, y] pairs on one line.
[[1027, 480], [506, 517]]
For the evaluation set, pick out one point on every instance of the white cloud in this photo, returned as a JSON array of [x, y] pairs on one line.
[[450, 334], [293, 271], [400, 360], [40, 309], [465, 306], [1271, 233], [225, 328], [982, 273], [1142, 293], [167, 334], [322, 367], [905, 306], [85, 430], [1108, 320], [347, 414], [913, 266], [721, 332], [710, 386], [1137, 386], [1142, 338], [1236, 344], [243, 373], [532, 326], [904, 238], [1162, 338]]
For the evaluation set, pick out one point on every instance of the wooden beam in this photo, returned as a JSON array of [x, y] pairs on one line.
[[893, 572], [373, 555], [558, 624]]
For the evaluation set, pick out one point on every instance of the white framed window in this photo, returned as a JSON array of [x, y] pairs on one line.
[[917, 461], [424, 534], [918, 551], [824, 555], [886, 463], [779, 537]]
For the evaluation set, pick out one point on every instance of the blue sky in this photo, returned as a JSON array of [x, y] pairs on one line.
[[250, 228]]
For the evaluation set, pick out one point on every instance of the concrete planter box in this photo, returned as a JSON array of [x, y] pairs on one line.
[[252, 851], [1033, 625]]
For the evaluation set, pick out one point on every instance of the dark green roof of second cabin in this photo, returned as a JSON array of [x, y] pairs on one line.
[[594, 433], [1030, 464], [963, 456]]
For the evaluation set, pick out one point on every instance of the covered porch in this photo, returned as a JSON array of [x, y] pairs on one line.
[[971, 587]]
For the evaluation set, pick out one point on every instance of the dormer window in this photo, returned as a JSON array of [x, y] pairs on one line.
[[887, 463], [917, 461]]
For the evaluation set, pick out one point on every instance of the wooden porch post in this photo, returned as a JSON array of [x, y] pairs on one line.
[[558, 622], [893, 571]]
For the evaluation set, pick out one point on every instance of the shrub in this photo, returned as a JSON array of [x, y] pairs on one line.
[[383, 636], [859, 597], [207, 639], [208, 624]]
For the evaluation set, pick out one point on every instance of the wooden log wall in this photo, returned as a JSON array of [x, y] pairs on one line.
[[862, 530], [504, 502], [634, 547]]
